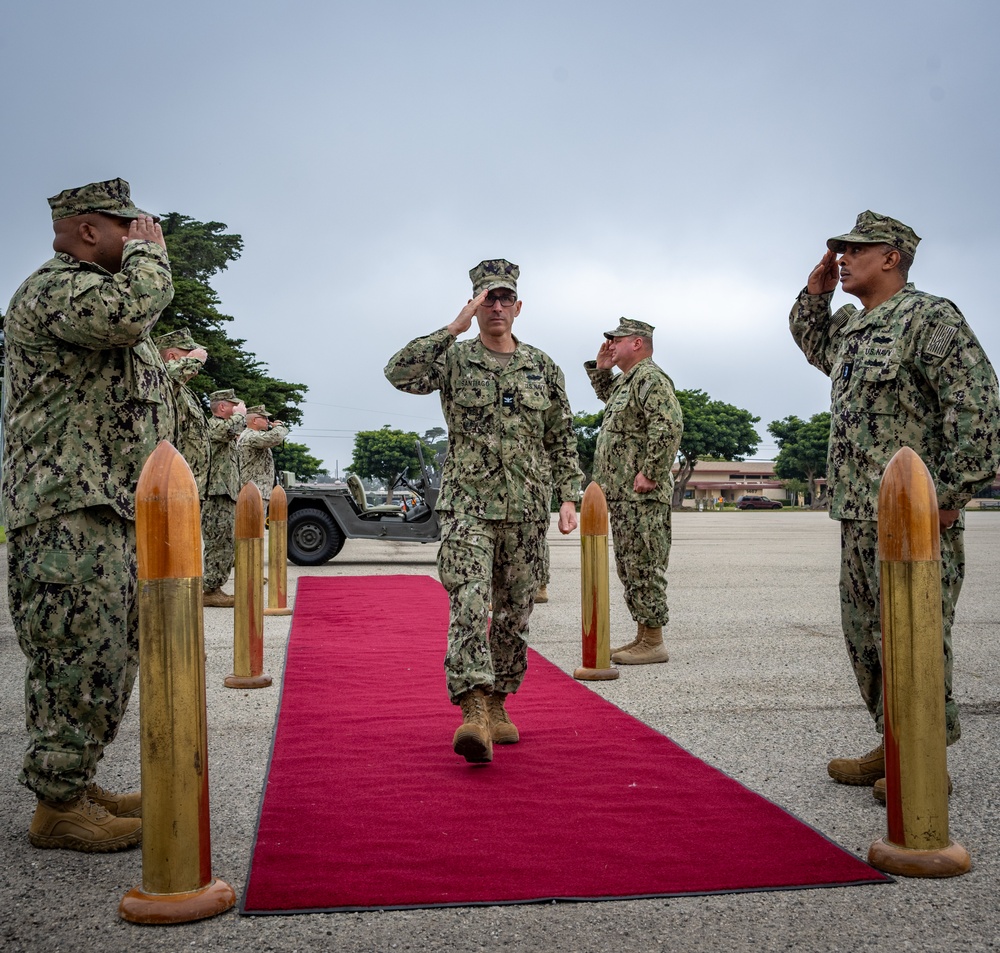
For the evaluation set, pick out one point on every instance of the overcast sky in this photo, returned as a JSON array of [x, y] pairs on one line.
[[680, 163]]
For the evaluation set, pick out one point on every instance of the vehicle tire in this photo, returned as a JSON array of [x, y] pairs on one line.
[[313, 537]]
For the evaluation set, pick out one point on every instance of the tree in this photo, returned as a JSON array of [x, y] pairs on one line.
[[587, 427], [295, 458], [802, 449], [384, 454], [435, 443], [796, 488], [711, 429], [199, 250]]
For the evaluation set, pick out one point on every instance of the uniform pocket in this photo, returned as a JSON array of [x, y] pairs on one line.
[[147, 373], [62, 568], [473, 407], [873, 389], [534, 398]]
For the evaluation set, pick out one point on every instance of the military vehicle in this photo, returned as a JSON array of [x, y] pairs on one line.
[[321, 518]]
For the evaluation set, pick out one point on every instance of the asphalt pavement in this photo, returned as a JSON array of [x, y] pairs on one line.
[[758, 685]]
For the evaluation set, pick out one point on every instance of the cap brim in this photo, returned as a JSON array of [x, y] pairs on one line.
[[838, 242], [134, 213]]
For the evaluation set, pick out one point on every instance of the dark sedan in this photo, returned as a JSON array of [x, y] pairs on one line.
[[757, 503]]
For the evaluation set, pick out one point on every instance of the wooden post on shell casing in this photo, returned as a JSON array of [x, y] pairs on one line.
[[594, 588], [277, 554], [177, 883], [248, 611], [916, 770]]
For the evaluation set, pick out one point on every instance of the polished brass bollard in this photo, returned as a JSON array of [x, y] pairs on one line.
[[916, 771], [277, 554], [177, 883], [248, 613], [594, 588]]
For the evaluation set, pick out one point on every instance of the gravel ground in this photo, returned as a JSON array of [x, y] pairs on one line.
[[758, 685]]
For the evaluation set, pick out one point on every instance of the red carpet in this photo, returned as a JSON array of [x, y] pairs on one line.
[[367, 807]]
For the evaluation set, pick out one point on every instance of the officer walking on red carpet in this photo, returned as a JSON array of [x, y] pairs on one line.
[[510, 440]]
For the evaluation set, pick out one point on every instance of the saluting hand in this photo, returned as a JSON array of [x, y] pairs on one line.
[[605, 360], [824, 277], [145, 229], [464, 320]]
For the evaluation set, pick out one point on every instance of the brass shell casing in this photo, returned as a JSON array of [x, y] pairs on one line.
[[594, 589]]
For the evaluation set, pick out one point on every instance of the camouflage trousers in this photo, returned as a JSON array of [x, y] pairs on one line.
[[642, 536], [860, 617], [73, 601], [479, 561], [218, 529]]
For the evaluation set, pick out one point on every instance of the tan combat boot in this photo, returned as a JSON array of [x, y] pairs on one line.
[[542, 595], [126, 804], [648, 649], [865, 770], [472, 738], [218, 599], [878, 791], [502, 730], [81, 824], [633, 643]]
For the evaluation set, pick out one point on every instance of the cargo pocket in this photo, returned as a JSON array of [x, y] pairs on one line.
[[62, 568]]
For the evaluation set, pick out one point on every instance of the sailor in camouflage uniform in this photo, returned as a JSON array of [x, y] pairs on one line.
[[218, 515], [184, 359], [907, 371], [86, 400], [510, 439], [253, 450], [636, 447]]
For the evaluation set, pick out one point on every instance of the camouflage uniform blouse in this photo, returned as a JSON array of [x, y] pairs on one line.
[[910, 372], [86, 396], [192, 426], [223, 471], [254, 457], [505, 425], [641, 431]]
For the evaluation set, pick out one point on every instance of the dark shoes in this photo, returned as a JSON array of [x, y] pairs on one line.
[[865, 770], [84, 825]]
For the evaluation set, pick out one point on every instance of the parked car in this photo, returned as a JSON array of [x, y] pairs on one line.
[[757, 503], [320, 518]]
